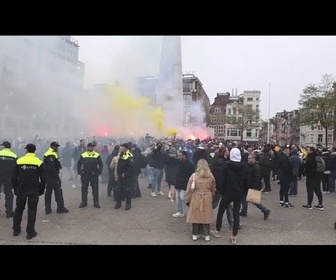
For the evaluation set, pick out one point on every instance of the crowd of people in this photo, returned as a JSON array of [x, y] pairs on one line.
[[201, 176]]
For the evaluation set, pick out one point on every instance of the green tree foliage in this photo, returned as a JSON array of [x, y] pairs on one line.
[[317, 104]]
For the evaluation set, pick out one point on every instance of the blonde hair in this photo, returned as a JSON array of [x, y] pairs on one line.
[[203, 169]]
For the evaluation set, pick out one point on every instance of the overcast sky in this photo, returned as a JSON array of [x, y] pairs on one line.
[[279, 66]]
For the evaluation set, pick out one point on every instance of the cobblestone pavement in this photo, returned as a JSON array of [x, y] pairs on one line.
[[150, 222]]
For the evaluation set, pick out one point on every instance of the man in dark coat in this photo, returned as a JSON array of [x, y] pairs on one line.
[[266, 162], [253, 182], [285, 175], [313, 180], [186, 169], [232, 190], [200, 153], [172, 164]]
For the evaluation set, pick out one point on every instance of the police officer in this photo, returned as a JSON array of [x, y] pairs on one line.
[[7, 163], [90, 167], [28, 182], [125, 177], [53, 166]]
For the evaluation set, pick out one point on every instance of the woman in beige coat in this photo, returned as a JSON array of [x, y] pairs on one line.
[[199, 198]]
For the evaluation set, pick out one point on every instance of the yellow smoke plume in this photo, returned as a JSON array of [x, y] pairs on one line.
[[172, 132], [136, 115]]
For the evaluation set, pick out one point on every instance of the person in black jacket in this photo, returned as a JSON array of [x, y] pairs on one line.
[[138, 159], [66, 159], [232, 190], [285, 174], [158, 165], [125, 177], [186, 169], [266, 162], [53, 166], [218, 172], [7, 163], [313, 180], [253, 182], [200, 153], [90, 167], [28, 180], [172, 164], [326, 176]]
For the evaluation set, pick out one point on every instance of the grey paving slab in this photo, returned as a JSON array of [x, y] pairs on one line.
[[150, 222]]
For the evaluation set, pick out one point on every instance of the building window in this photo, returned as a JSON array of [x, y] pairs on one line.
[[213, 119], [312, 140], [248, 133], [329, 138], [221, 120], [218, 110], [187, 86], [234, 132], [229, 111], [320, 128], [234, 110], [319, 138], [249, 99], [220, 129]]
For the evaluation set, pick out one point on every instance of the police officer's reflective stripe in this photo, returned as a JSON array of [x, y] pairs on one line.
[[90, 155], [29, 159], [51, 152], [127, 155], [7, 153]]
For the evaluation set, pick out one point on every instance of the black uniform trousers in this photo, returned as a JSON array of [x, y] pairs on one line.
[[53, 184], [9, 196], [21, 200], [124, 189], [92, 180]]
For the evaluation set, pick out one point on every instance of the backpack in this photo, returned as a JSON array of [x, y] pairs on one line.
[[320, 168]]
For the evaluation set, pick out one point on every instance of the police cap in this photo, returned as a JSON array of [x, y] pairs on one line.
[[6, 144], [31, 148]]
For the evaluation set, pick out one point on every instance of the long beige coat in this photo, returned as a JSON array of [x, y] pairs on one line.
[[200, 209]]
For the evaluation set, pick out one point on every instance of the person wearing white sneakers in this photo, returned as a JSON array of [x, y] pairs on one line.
[[158, 164], [186, 169], [199, 195]]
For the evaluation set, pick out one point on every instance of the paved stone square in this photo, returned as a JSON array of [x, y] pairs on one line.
[[150, 222]]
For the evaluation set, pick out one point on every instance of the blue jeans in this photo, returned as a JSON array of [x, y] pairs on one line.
[[293, 186], [150, 174], [158, 175], [245, 203], [180, 201]]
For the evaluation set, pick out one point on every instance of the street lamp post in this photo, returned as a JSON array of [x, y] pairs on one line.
[[268, 117]]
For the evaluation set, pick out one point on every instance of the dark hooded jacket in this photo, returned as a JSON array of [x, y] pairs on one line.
[[235, 180], [295, 162], [200, 154]]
